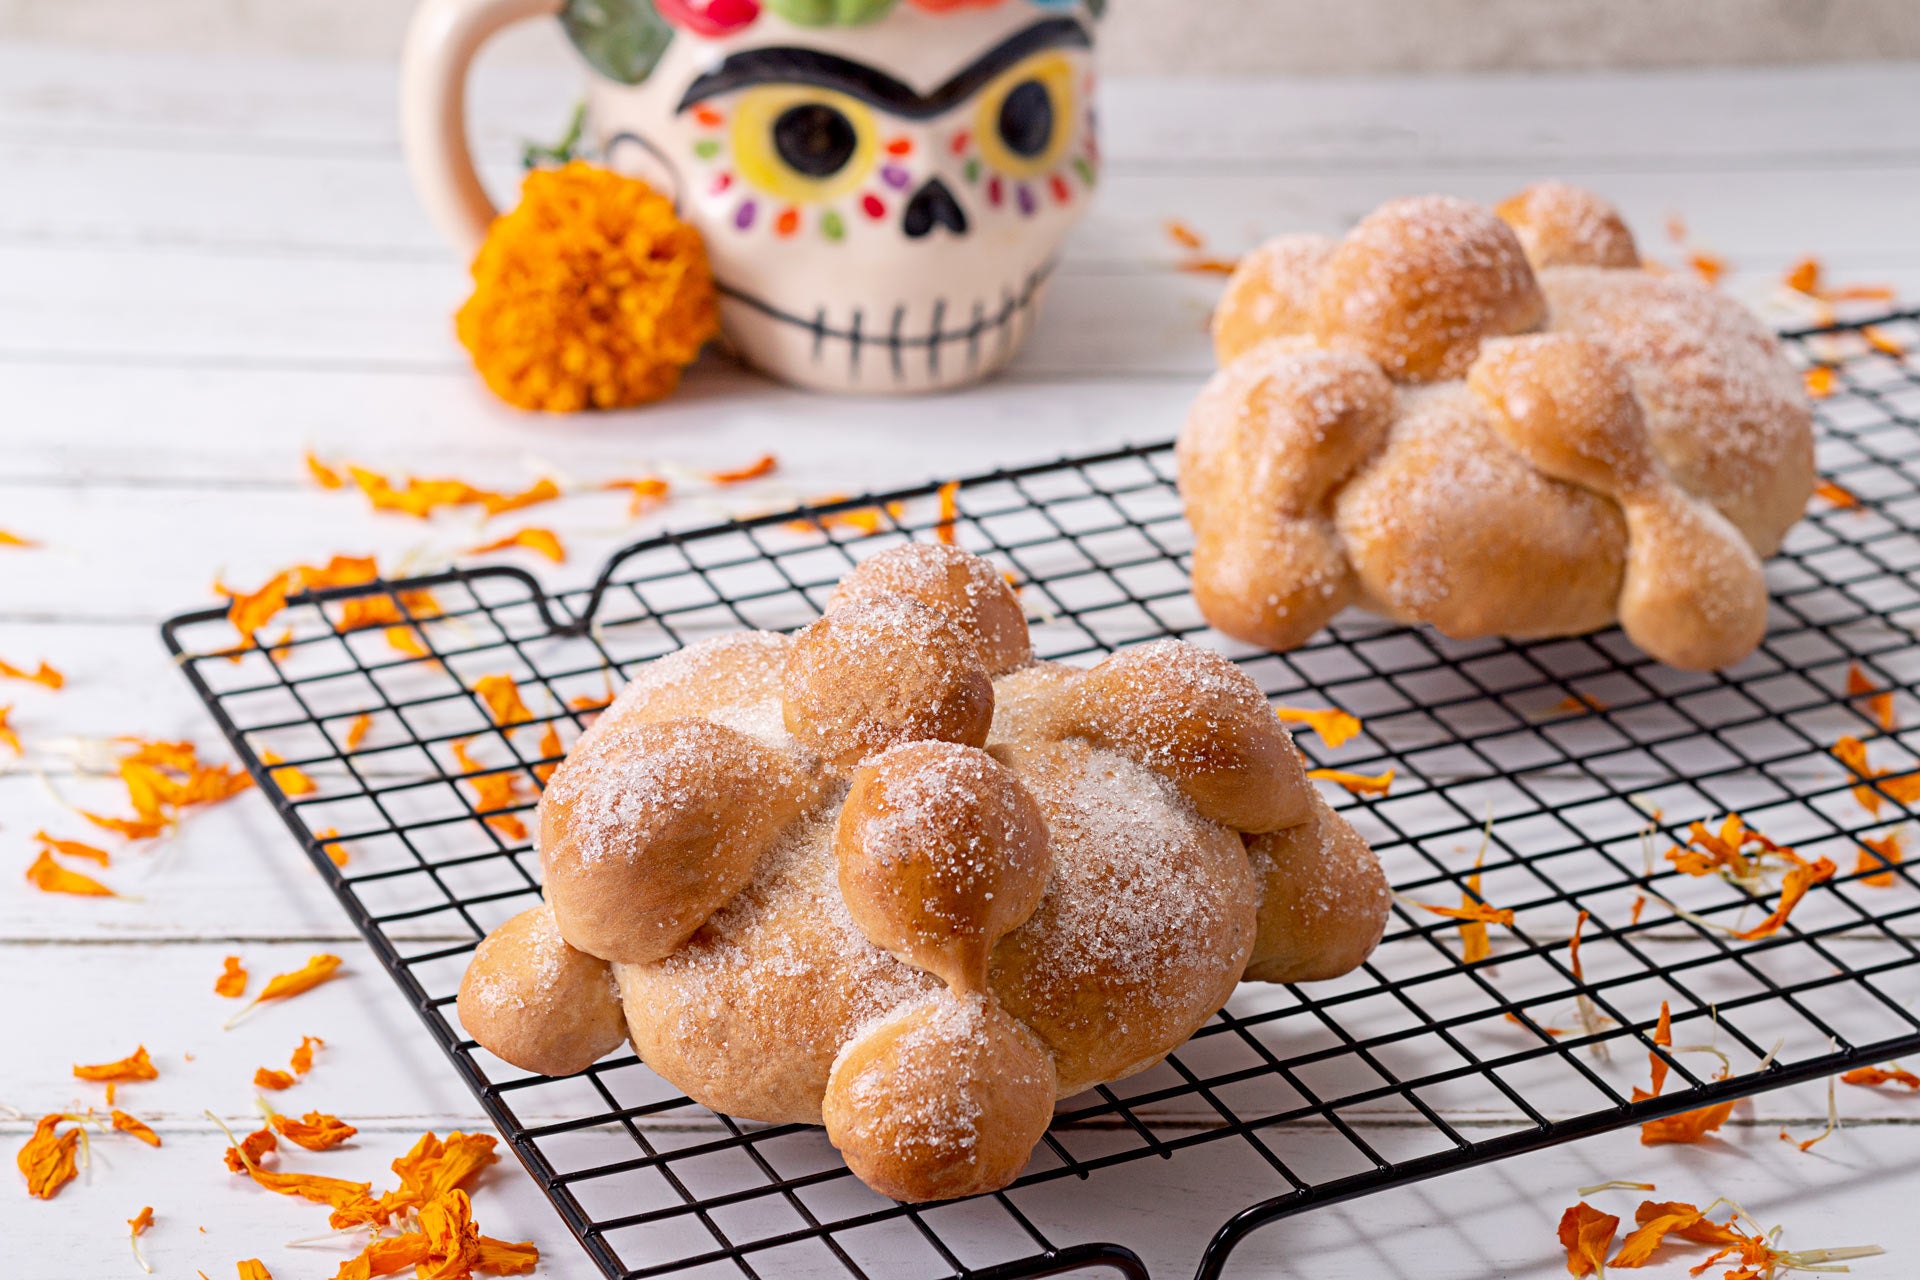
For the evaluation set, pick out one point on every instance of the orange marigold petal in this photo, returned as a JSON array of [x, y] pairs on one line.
[[1820, 381], [1689, 1126], [1837, 494], [1335, 727], [43, 675], [1586, 1233], [74, 849], [47, 1158], [1359, 784], [315, 1131], [543, 541], [135, 1066], [15, 540], [1869, 1077], [267, 1078], [323, 475], [315, 971], [253, 1269], [949, 512], [765, 465], [302, 1061], [502, 697], [135, 1126]]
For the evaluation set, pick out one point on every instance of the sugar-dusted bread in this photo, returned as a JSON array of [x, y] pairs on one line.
[[892, 876], [1494, 422]]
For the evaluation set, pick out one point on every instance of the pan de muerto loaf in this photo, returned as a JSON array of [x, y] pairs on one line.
[[1494, 422], [893, 876]]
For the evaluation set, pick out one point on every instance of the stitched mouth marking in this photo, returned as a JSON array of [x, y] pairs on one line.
[[901, 349]]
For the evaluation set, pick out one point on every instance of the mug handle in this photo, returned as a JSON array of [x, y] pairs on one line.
[[442, 40]]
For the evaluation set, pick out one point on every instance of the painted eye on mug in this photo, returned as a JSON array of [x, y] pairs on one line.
[[803, 144], [1026, 116]]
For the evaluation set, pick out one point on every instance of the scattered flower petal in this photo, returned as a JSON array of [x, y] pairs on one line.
[[135, 1066], [1335, 727], [1359, 784], [765, 465], [135, 1126], [543, 541], [502, 697], [1586, 1233]]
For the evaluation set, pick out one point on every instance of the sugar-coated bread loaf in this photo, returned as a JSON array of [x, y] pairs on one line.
[[893, 877], [1496, 423]]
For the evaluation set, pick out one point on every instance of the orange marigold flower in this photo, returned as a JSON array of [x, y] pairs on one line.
[[591, 294], [135, 1066], [135, 1126], [316, 1131], [1335, 727], [1586, 1233]]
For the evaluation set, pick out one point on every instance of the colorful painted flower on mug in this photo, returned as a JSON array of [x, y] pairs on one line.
[[883, 184]]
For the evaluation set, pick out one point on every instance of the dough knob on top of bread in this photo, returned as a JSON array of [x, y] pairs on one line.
[[1694, 593], [538, 1003], [882, 670], [967, 588], [945, 1098], [1566, 226], [1271, 293], [1270, 439], [1325, 900], [648, 829], [1420, 282], [1192, 716], [941, 853]]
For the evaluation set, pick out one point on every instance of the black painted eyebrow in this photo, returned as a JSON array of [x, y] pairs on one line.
[[794, 65]]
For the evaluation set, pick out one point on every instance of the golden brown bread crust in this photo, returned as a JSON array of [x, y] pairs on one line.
[[1323, 904], [1420, 282], [915, 941], [1452, 505], [1566, 226], [882, 670], [1270, 294], [537, 1002], [969, 590]]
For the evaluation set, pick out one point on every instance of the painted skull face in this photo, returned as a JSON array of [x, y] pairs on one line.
[[882, 187]]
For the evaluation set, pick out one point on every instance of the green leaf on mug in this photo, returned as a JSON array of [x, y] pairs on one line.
[[621, 39], [829, 13]]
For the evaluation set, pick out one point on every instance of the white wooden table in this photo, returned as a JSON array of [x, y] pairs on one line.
[[208, 266]]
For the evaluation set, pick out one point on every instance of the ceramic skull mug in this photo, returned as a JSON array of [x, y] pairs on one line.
[[882, 185]]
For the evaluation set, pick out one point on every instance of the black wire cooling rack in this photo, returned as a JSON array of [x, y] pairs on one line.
[[1569, 767]]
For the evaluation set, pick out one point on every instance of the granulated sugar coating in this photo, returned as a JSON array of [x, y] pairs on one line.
[[826, 895]]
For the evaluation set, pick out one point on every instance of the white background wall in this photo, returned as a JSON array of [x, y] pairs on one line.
[[1296, 36]]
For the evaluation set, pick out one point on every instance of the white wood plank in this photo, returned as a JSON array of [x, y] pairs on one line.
[[273, 204], [146, 426]]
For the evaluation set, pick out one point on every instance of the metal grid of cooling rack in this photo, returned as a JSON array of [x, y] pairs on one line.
[[1568, 766]]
